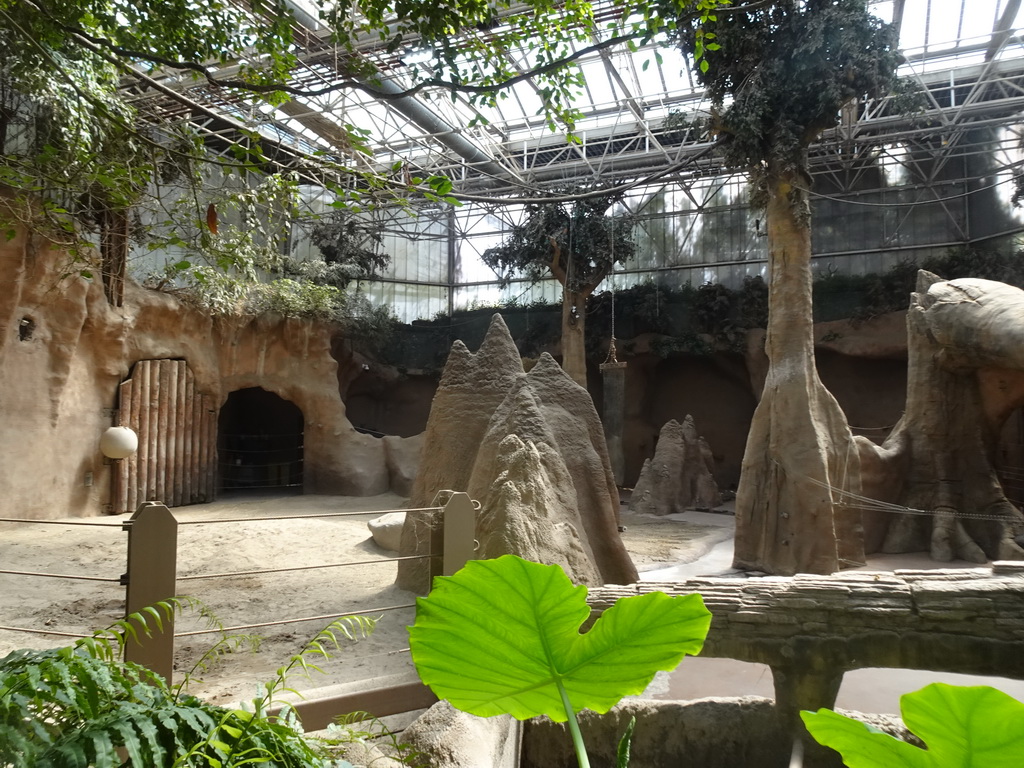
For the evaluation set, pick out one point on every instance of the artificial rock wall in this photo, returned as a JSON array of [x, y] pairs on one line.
[[64, 351]]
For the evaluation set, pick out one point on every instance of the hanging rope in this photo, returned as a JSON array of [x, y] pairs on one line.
[[568, 271], [611, 343]]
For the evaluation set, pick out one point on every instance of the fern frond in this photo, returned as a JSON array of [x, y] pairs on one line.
[[79, 707], [225, 645], [349, 626]]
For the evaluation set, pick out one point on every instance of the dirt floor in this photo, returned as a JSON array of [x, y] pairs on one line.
[[258, 545]]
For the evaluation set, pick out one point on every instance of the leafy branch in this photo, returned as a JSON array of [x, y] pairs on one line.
[[79, 707]]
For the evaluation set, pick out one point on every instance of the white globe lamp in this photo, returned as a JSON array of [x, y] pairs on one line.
[[119, 443]]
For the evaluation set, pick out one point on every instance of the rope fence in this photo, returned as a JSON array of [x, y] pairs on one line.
[[260, 572], [376, 513], [874, 505], [59, 522], [286, 622], [151, 578], [53, 632], [68, 576]]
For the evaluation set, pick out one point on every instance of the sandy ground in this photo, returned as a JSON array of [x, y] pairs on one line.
[[678, 547], [261, 544]]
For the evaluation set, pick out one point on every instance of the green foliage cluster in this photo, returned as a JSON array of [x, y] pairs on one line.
[[82, 148], [780, 72], [469, 40], [692, 320], [350, 250], [503, 636], [679, 127], [81, 707], [578, 243], [861, 297]]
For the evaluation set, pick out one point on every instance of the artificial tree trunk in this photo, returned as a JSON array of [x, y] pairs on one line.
[[965, 376], [574, 349], [800, 454], [574, 314]]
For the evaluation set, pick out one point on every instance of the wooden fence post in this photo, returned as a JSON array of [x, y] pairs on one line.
[[151, 576], [459, 521]]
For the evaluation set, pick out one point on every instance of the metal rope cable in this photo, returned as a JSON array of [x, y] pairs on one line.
[[62, 576], [872, 429], [884, 506], [303, 517], [285, 622], [847, 201], [232, 465], [301, 568], [58, 522], [42, 632]]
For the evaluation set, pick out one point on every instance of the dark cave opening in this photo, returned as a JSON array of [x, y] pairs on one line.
[[260, 443]]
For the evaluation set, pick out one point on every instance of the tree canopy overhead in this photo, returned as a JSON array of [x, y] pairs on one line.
[[77, 131], [782, 73]]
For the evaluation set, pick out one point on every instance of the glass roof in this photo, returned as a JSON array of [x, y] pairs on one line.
[[508, 149]]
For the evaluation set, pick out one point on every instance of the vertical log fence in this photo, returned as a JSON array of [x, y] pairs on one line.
[[177, 427]]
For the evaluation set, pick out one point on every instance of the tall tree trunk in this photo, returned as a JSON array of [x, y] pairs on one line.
[[114, 253], [789, 516], [574, 348]]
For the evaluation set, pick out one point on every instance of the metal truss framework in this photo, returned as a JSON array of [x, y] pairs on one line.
[[643, 126]]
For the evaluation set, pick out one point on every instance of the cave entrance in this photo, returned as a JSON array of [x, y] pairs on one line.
[[259, 443]]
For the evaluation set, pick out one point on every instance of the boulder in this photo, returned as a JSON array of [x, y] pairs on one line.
[[387, 530], [448, 738]]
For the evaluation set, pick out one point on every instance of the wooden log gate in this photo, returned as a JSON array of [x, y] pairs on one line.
[[177, 427]]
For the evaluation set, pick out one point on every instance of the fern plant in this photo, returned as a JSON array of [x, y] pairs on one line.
[[81, 707]]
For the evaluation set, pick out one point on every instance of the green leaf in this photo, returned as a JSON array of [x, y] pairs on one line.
[[860, 745], [622, 754], [962, 726], [501, 636]]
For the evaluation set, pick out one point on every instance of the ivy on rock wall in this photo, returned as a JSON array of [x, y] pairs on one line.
[[691, 320]]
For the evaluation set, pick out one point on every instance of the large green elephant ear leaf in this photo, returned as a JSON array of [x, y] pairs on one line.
[[962, 726], [861, 745], [503, 636], [967, 726]]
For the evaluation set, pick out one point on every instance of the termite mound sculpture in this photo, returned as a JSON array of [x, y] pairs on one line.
[[530, 448]]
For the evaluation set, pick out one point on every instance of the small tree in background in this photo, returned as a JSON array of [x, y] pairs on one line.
[[578, 244]]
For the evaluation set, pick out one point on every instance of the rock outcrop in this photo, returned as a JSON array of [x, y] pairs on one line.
[[679, 476], [965, 377], [65, 350], [529, 511], [448, 738], [555, 477]]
